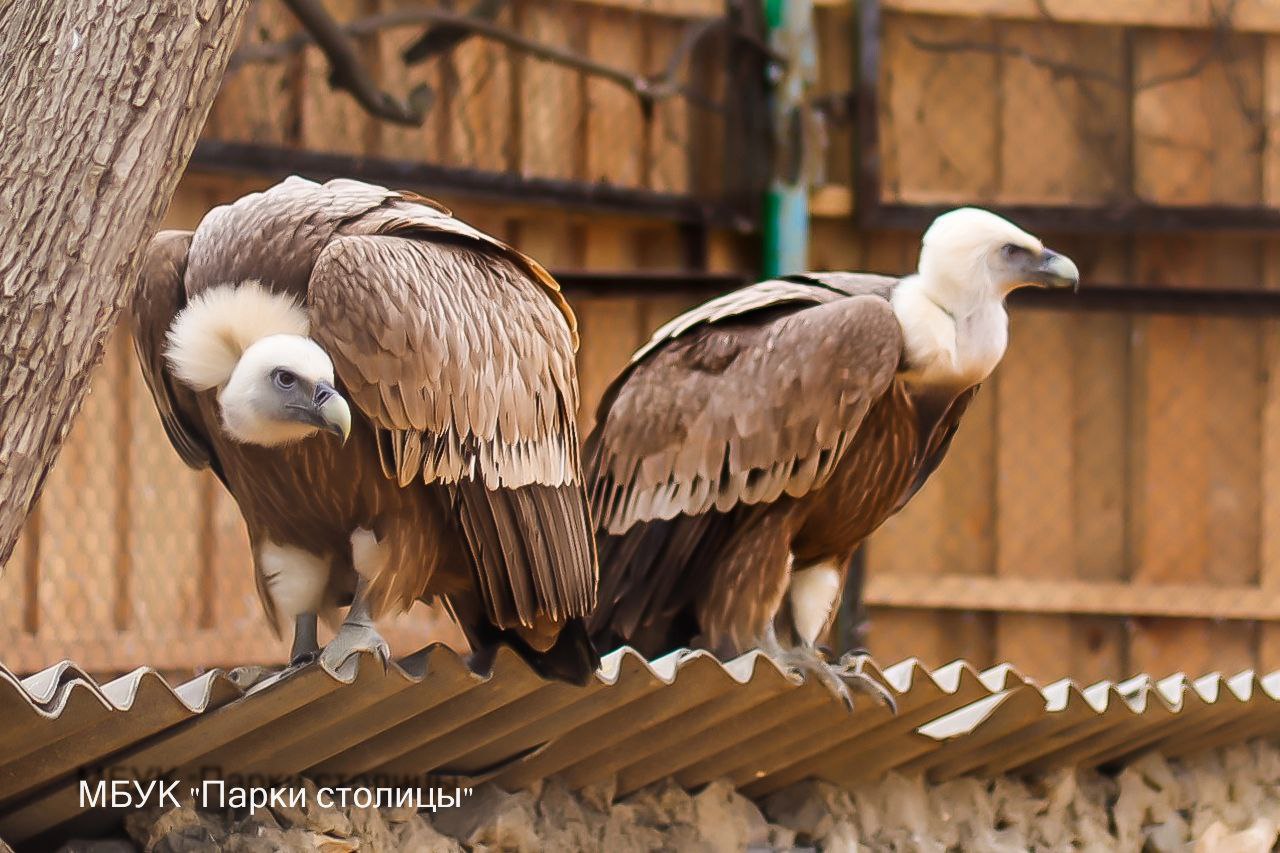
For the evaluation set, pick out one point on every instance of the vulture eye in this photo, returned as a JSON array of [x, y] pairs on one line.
[[1014, 252], [285, 379]]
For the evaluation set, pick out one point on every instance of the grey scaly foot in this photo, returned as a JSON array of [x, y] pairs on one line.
[[844, 679], [354, 638]]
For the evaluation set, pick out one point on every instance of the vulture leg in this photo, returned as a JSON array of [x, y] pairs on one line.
[[305, 644], [843, 680], [813, 593], [358, 633]]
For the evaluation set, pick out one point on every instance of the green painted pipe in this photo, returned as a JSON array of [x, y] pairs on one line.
[[786, 204]]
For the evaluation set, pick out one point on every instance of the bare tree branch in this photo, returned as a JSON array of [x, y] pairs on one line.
[[347, 72], [336, 41], [443, 38]]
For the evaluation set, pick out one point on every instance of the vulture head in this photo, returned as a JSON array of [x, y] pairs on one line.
[[974, 253], [275, 385]]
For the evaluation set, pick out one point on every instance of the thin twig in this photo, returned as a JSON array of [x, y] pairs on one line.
[[1062, 69]]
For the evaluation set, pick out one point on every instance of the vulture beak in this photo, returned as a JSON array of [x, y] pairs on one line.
[[1054, 270], [332, 412]]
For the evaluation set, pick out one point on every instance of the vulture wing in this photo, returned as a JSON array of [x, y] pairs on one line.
[[459, 350], [159, 296], [748, 397]]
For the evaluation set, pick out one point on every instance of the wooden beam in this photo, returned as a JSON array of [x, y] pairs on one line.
[[1254, 16], [666, 8], [969, 592]]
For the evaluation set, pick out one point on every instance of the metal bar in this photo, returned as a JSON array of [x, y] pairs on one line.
[[866, 153], [1150, 300], [591, 283], [276, 161], [1154, 300], [1100, 598], [1129, 216]]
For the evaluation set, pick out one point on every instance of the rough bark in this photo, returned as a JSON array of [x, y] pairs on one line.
[[101, 102]]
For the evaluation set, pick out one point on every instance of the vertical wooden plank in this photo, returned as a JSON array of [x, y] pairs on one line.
[[612, 329], [429, 142], [714, 157], [660, 247], [1269, 641], [14, 584], [80, 537], [658, 310], [1194, 480], [163, 525], [668, 136], [1034, 492], [615, 126], [1099, 360], [258, 102], [1100, 393], [1064, 136], [731, 252], [331, 120], [835, 31], [1269, 569], [610, 246], [477, 75], [939, 115], [1196, 135], [550, 97], [237, 610], [554, 241], [1271, 118]]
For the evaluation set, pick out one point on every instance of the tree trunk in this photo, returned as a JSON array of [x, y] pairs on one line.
[[101, 102]]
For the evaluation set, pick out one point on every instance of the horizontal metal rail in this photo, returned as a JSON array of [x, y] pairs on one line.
[[215, 156]]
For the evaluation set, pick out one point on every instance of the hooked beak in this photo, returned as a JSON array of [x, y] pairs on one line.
[[332, 412], [1054, 270]]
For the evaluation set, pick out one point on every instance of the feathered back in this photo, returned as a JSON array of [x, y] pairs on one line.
[[209, 336]]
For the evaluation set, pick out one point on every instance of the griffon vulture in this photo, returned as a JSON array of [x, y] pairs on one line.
[[389, 394], [757, 439]]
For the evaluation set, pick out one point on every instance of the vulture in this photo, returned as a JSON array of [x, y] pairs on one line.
[[389, 395], [745, 452]]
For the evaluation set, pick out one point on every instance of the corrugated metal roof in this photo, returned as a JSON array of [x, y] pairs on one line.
[[685, 715]]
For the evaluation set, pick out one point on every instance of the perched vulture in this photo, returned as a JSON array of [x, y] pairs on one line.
[[757, 439], [389, 394]]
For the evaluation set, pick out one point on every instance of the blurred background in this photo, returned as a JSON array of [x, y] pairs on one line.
[[1112, 501]]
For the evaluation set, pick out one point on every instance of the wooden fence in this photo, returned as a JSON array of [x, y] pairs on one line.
[[1111, 503]]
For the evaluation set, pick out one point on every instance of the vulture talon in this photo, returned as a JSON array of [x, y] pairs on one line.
[[301, 659], [841, 679]]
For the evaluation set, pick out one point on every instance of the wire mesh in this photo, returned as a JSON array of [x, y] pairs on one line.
[[1112, 455], [1049, 113]]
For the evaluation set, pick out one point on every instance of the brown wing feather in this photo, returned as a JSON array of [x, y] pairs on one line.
[[742, 411], [159, 296], [455, 353]]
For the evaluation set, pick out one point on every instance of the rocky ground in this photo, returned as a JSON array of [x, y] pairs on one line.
[[1225, 802]]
